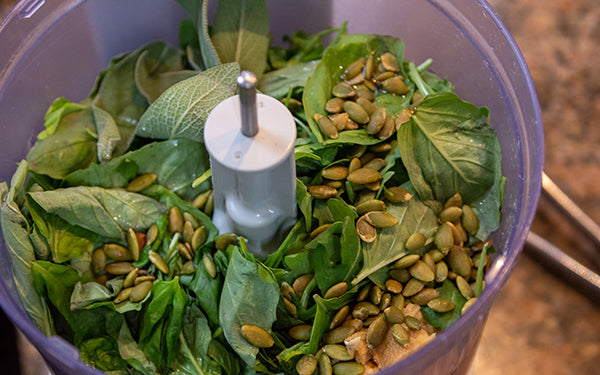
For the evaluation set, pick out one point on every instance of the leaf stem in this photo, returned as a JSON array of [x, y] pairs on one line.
[[480, 266], [416, 77]]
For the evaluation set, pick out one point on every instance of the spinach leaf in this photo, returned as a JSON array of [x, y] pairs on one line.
[[15, 231], [413, 216], [130, 351], [448, 147], [207, 290], [293, 242], [197, 10], [241, 33], [72, 146], [181, 111], [228, 361], [443, 320], [278, 83], [305, 203], [488, 209], [250, 296], [298, 264], [326, 308], [162, 321], [105, 212], [102, 353], [60, 108], [55, 282]]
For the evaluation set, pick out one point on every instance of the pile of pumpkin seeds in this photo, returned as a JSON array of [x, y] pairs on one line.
[[115, 260], [351, 106]]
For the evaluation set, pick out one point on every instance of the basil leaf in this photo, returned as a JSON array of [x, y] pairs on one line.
[[207, 290], [241, 33], [60, 108], [15, 231], [55, 282], [113, 174], [102, 353], [448, 147], [181, 111], [130, 352], [250, 296], [105, 212], [278, 83], [488, 208], [443, 320], [225, 357], [413, 216]]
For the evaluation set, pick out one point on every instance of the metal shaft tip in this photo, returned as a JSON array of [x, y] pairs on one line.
[[246, 82]]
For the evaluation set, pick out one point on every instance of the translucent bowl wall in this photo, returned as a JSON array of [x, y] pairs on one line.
[[57, 47]]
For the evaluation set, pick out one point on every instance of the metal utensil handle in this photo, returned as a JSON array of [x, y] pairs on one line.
[[246, 82]]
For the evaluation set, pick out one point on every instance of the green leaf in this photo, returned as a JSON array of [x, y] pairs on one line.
[[225, 357], [55, 282], [413, 216], [249, 297], [114, 174], [240, 33], [488, 209], [131, 352], [207, 290], [102, 353], [278, 83], [305, 203], [105, 212], [393, 104], [15, 231], [443, 320], [60, 108], [181, 111], [72, 146], [448, 147], [108, 134], [198, 11]]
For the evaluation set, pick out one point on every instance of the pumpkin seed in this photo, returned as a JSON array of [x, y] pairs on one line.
[[470, 221], [351, 125], [130, 278], [428, 260], [397, 194], [302, 282], [395, 85], [370, 66], [364, 92], [343, 90], [318, 230], [357, 79], [199, 237], [326, 126], [210, 204], [354, 69], [122, 296], [158, 261], [201, 200], [102, 279], [393, 286], [338, 335], [356, 112], [424, 296], [387, 130], [363, 293], [441, 305], [464, 287], [454, 201], [333, 184], [141, 279], [140, 291], [402, 118], [340, 120], [406, 261], [393, 315], [373, 186], [119, 268], [365, 230], [339, 317], [133, 248], [337, 352], [376, 164], [451, 214], [188, 268], [188, 231], [398, 301], [324, 364], [286, 290], [436, 255], [256, 336], [459, 262], [377, 331], [336, 291], [322, 191], [348, 368], [362, 310], [383, 76], [210, 266], [370, 205], [367, 105], [335, 105], [141, 182], [380, 219], [421, 271], [444, 239], [412, 323], [467, 305], [386, 299], [375, 295], [390, 62], [412, 287], [224, 240], [364, 195], [441, 271], [175, 220], [401, 275], [401, 335], [98, 260], [376, 121], [367, 157], [335, 173], [184, 251], [189, 217], [306, 365], [117, 252], [415, 241], [300, 332], [290, 307]]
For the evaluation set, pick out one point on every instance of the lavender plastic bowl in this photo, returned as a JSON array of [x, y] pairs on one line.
[[57, 47]]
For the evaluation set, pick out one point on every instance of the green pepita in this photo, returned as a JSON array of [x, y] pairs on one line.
[[401, 335], [210, 266], [175, 220], [335, 105], [158, 261], [356, 112], [412, 323], [336, 290], [364, 176], [201, 200], [188, 231], [380, 219], [412, 287], [393, 286], [395, 85], [467, 305], [454, 201], [117, 252], [151, 234], [376, 121], [224, 240], [119, 268], [384, 76], [340, 120], [397, 194], [188, 268], [365, 230], [306, 365], [326, 126], [348, 368], [375, 295], [335, 173], [184, 251], [415, 242], [302, 282], [343, 90], [140, 291], [98, 260], [256, 336], [322, 191], [123, 295], [421, 271], [338, 335], [451, 214], [444, 239], [441, 305], [290, 307], [470, 221], [459, 262], [393, 315], [354, 68], [463, 287], [406, 261], [370, 205], [424, 296], [339, 317], [318, 230], [390, 62], [337, 352], [210, 204], [386, 299], [199, 237], [441, 271], [130, 278], [377, 331], [388, 129], [370, 66], [401, 275], [189, 217], [141, 182], [140, 279], [398, 301], [300, 332], [324, 364], [367, 105]]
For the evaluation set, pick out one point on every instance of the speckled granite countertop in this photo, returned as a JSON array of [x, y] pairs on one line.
[[539, 324]]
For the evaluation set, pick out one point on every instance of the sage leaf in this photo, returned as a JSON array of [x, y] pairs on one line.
[[105, 212], [250, 296], [182, 110], [15, 230], [60, 108], [448, 147], [413, 216], [198, 12], [108, 134], [240, 33]]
